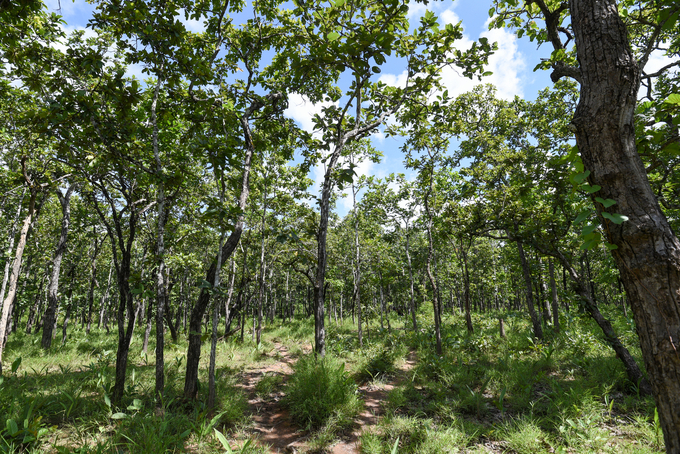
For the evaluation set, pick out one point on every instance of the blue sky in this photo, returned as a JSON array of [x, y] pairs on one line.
[[511, 65]]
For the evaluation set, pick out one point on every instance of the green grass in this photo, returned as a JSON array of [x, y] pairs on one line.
[[567, 394]]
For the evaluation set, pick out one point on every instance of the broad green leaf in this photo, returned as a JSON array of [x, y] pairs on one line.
[[673, 99], [12, 427], [591, 189], [610, 246], [118, 416], [615, 217], [606, 203], [332, 36]]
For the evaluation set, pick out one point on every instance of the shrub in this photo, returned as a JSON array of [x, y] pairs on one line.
[[319, 389]]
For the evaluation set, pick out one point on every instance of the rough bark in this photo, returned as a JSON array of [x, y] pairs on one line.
[[648, 252]]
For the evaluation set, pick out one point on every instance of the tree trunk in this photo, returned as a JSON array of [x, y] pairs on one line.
[[212, 392], [412, 304], [429, 268], [466, 271], [53, 290], [105, 301], [149, 325], [538, 330], [69, 307], [10, 248], [36, 305], [555, 305], [16, 267], [227, 303], [648, 252], [93, 282], [194, 348]]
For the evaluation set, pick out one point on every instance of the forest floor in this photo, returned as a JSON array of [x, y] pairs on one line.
[[272, 425], [568, 394]]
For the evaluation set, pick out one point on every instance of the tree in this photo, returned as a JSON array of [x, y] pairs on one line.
[[352, 39], [647, 251]]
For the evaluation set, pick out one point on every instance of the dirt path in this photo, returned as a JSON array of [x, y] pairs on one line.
[[373, 397], [271, 421]]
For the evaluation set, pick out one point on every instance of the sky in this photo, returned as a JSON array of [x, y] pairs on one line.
[[512, 67]]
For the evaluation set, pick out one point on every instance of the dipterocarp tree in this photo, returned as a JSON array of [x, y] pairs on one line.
[[612, 44], [350, 41]]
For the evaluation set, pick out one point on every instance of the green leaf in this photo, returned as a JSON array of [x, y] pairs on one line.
[[615, 217], [118, 416], [332, 36], [591, 189], [12, 427], [224, 441], [582, 216], [606, 203], [15, 365], [580, 178], [394, 448], [590, 228], [673, 99], [610, 246]]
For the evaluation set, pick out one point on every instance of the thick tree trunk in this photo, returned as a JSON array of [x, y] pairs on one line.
[[648, 252], [53, 289]]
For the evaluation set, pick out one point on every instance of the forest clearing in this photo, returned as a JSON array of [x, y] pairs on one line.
[[339, 226]]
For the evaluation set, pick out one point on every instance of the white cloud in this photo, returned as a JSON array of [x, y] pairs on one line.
[[506, 64], [302, 110], [196, 26], [657, 60], [448, 16], [395, 80], [416, 9]]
